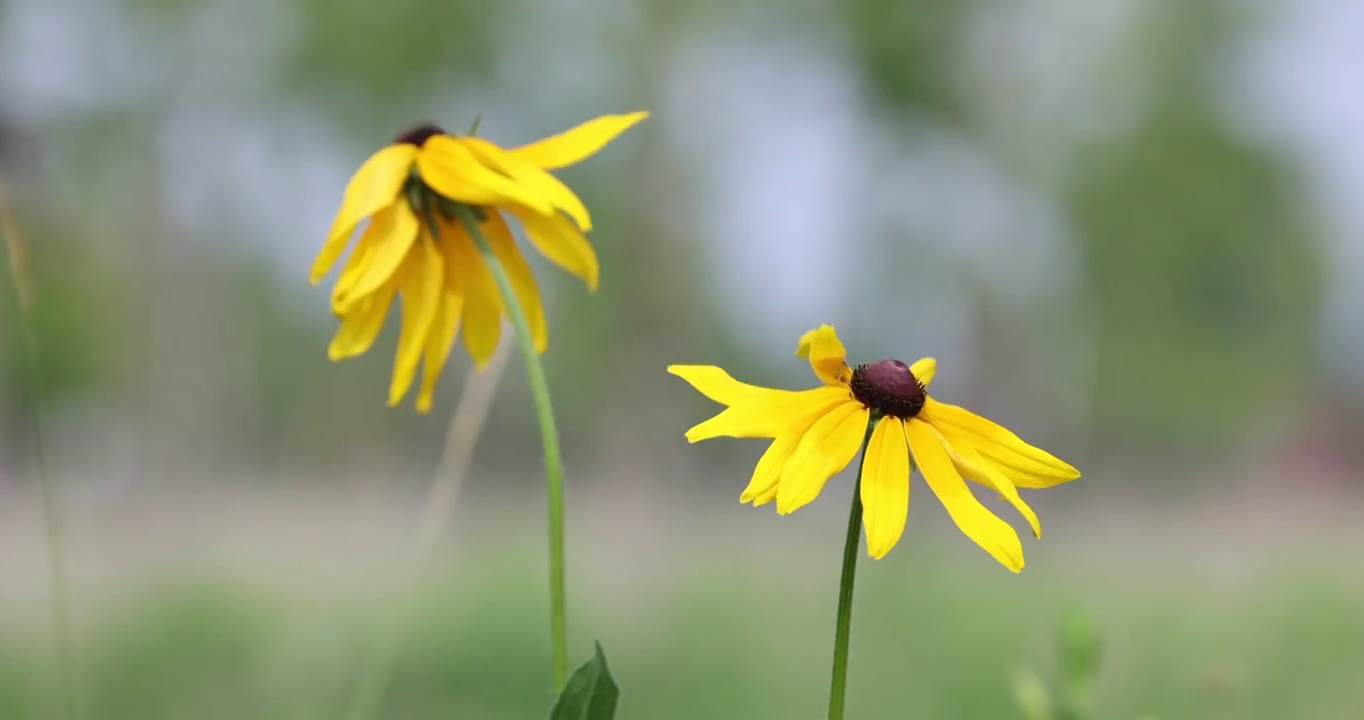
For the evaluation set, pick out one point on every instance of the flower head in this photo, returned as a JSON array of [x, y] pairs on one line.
[[816, 433], [440, 276]]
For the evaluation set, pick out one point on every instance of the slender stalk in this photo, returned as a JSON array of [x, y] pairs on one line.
[[554, 466], [64, 654], [466, 425], [838, 684]]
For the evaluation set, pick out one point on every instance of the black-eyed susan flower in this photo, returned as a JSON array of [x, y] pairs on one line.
[[442, 281], [816, 433]]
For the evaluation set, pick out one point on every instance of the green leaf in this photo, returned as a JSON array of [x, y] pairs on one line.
[[590, 694]]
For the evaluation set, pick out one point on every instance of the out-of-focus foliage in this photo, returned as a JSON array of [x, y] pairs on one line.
[[236, 648], [1199, 262], [1204, 276]]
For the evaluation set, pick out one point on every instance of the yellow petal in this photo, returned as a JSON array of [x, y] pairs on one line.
[[826, 449], [361, 326], [392, 233], [373, 187], [978, 523], [998, 443], [557, 238], [718, 385], [421, 286], [532, 178], [450, 168], [976, 468], [1031, 481], [766, 496], [826, 354], [885, 486], [439, 342], [355, 266], [522, 279], [779, 413], [762, 486], [482, 329], [577, 143], [924, 369], [482, 302]]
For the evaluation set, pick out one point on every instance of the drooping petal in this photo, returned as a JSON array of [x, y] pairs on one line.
[[1030, 481], [763, 484], [826, 449], [760, 499], [997, 442], [374, 186], [361, 326], [885, 486], [391, 233], [924, 369], [560, 240], [532, 178], [977, 522], [482, 302], [439, 342], [421, 286], [827, 356], [522, 279], [355, 266], [777, 414], [577, 143], [451, 169], [976, 468]]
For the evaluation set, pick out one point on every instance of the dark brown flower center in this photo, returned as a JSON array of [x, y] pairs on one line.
[[419, 135], [888, 387]]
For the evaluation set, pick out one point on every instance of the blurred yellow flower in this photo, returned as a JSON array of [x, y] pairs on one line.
[[816, 433], [442, 279]]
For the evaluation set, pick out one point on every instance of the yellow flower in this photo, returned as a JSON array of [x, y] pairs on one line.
[[442, 279], [816, 433]]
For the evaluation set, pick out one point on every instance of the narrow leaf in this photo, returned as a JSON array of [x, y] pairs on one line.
[[590, 694]]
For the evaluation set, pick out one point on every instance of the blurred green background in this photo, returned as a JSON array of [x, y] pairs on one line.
[[1129, 230]]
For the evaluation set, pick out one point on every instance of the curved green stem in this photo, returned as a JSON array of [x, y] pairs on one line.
[[838, 684], [554, 466]]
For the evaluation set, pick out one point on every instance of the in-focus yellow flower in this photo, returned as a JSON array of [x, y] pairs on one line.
[[441, 278], [816, 433]]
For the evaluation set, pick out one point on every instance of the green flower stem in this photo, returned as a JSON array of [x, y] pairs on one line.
[[47, 485], [554, 466], [838, 684]]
